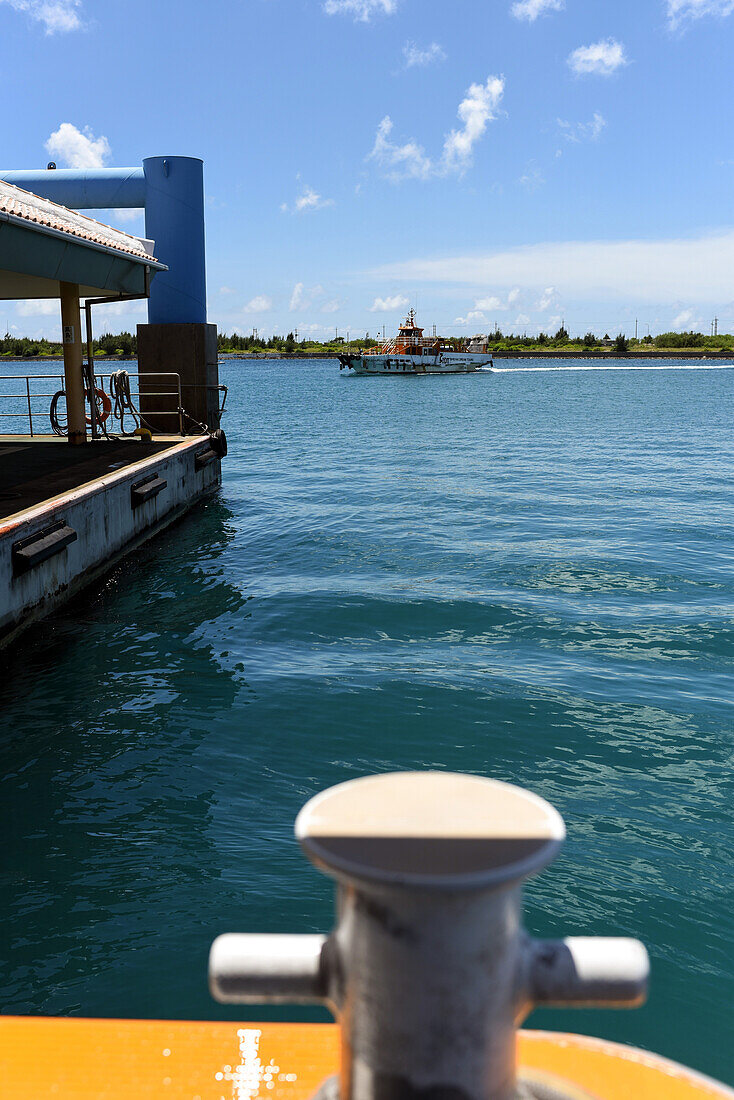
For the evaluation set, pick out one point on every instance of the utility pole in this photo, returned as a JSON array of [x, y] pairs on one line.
[[635, 328], [716, 326]]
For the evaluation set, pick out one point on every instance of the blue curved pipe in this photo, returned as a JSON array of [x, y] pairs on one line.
[[171, 190], [97, 189]]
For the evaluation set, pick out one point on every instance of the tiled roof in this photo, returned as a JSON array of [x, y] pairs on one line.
[[32, 208]]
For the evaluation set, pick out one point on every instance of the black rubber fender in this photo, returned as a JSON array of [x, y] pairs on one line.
[[218, 442]]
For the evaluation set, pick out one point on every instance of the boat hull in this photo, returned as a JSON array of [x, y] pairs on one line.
[[78, 1059], [397, 365]]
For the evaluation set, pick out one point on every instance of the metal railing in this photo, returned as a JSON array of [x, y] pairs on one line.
[[119, 411], [27, 396], [34, 394]]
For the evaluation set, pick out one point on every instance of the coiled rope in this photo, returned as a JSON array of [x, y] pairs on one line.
[[123, 401], [58, 427]]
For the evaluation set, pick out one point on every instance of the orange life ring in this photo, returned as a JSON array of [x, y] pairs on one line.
[[102, 397]]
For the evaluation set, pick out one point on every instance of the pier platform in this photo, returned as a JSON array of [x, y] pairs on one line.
[[34, 469], [67, 514]]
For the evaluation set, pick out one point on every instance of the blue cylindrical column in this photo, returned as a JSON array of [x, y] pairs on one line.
[[174, 219]]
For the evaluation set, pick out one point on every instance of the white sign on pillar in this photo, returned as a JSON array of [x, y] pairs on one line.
[[69, 334]]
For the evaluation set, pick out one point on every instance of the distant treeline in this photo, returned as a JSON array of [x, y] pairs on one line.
[[620, 343], [124, 345], [288, 343], [497, 341]]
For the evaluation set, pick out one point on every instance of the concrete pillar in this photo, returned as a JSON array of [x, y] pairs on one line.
[[73, 358], [189, 350]]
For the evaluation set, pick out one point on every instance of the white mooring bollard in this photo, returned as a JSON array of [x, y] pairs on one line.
[[428, 969]]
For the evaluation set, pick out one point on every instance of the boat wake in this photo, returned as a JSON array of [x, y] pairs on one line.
[[608, 366]]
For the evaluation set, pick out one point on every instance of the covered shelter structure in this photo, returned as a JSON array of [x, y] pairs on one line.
[[70, 507], [49, 251]]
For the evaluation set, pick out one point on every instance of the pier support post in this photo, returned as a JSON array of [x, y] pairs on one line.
[[178, 339], [73, 356], [189, 350]]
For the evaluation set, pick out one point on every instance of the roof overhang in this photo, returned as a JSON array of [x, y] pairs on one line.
[[43, 244], [34, 259]]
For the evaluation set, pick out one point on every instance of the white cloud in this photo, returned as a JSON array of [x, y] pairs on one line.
[[683, 320], [531, 9], [227, 290], [409, 161], [127, 215], [422, 55], [577, 132], [332, 306], [362, 10], [490, 303], [681, 12], [473, 317], [387, 305], [122, 309], [38, 307], [477, 109], [304, 297], [602, 58], [77, 148], [522, 319], [309, 200], [693, 270], [259, 304], [548, 299], [57, 16]]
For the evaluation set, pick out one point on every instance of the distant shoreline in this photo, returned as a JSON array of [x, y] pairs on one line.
[[552, 353]]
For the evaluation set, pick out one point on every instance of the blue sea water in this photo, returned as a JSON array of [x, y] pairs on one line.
[[526, 574]]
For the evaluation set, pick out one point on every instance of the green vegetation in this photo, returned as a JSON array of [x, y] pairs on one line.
[[560, 342], [123, 345], [235, 344]]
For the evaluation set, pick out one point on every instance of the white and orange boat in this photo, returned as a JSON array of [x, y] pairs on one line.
[[410, 352], [428, 972]]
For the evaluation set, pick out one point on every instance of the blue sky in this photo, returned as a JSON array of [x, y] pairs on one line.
[[492, 162]]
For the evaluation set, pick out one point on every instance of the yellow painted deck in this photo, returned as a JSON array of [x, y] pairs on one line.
[[76, 1059]]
